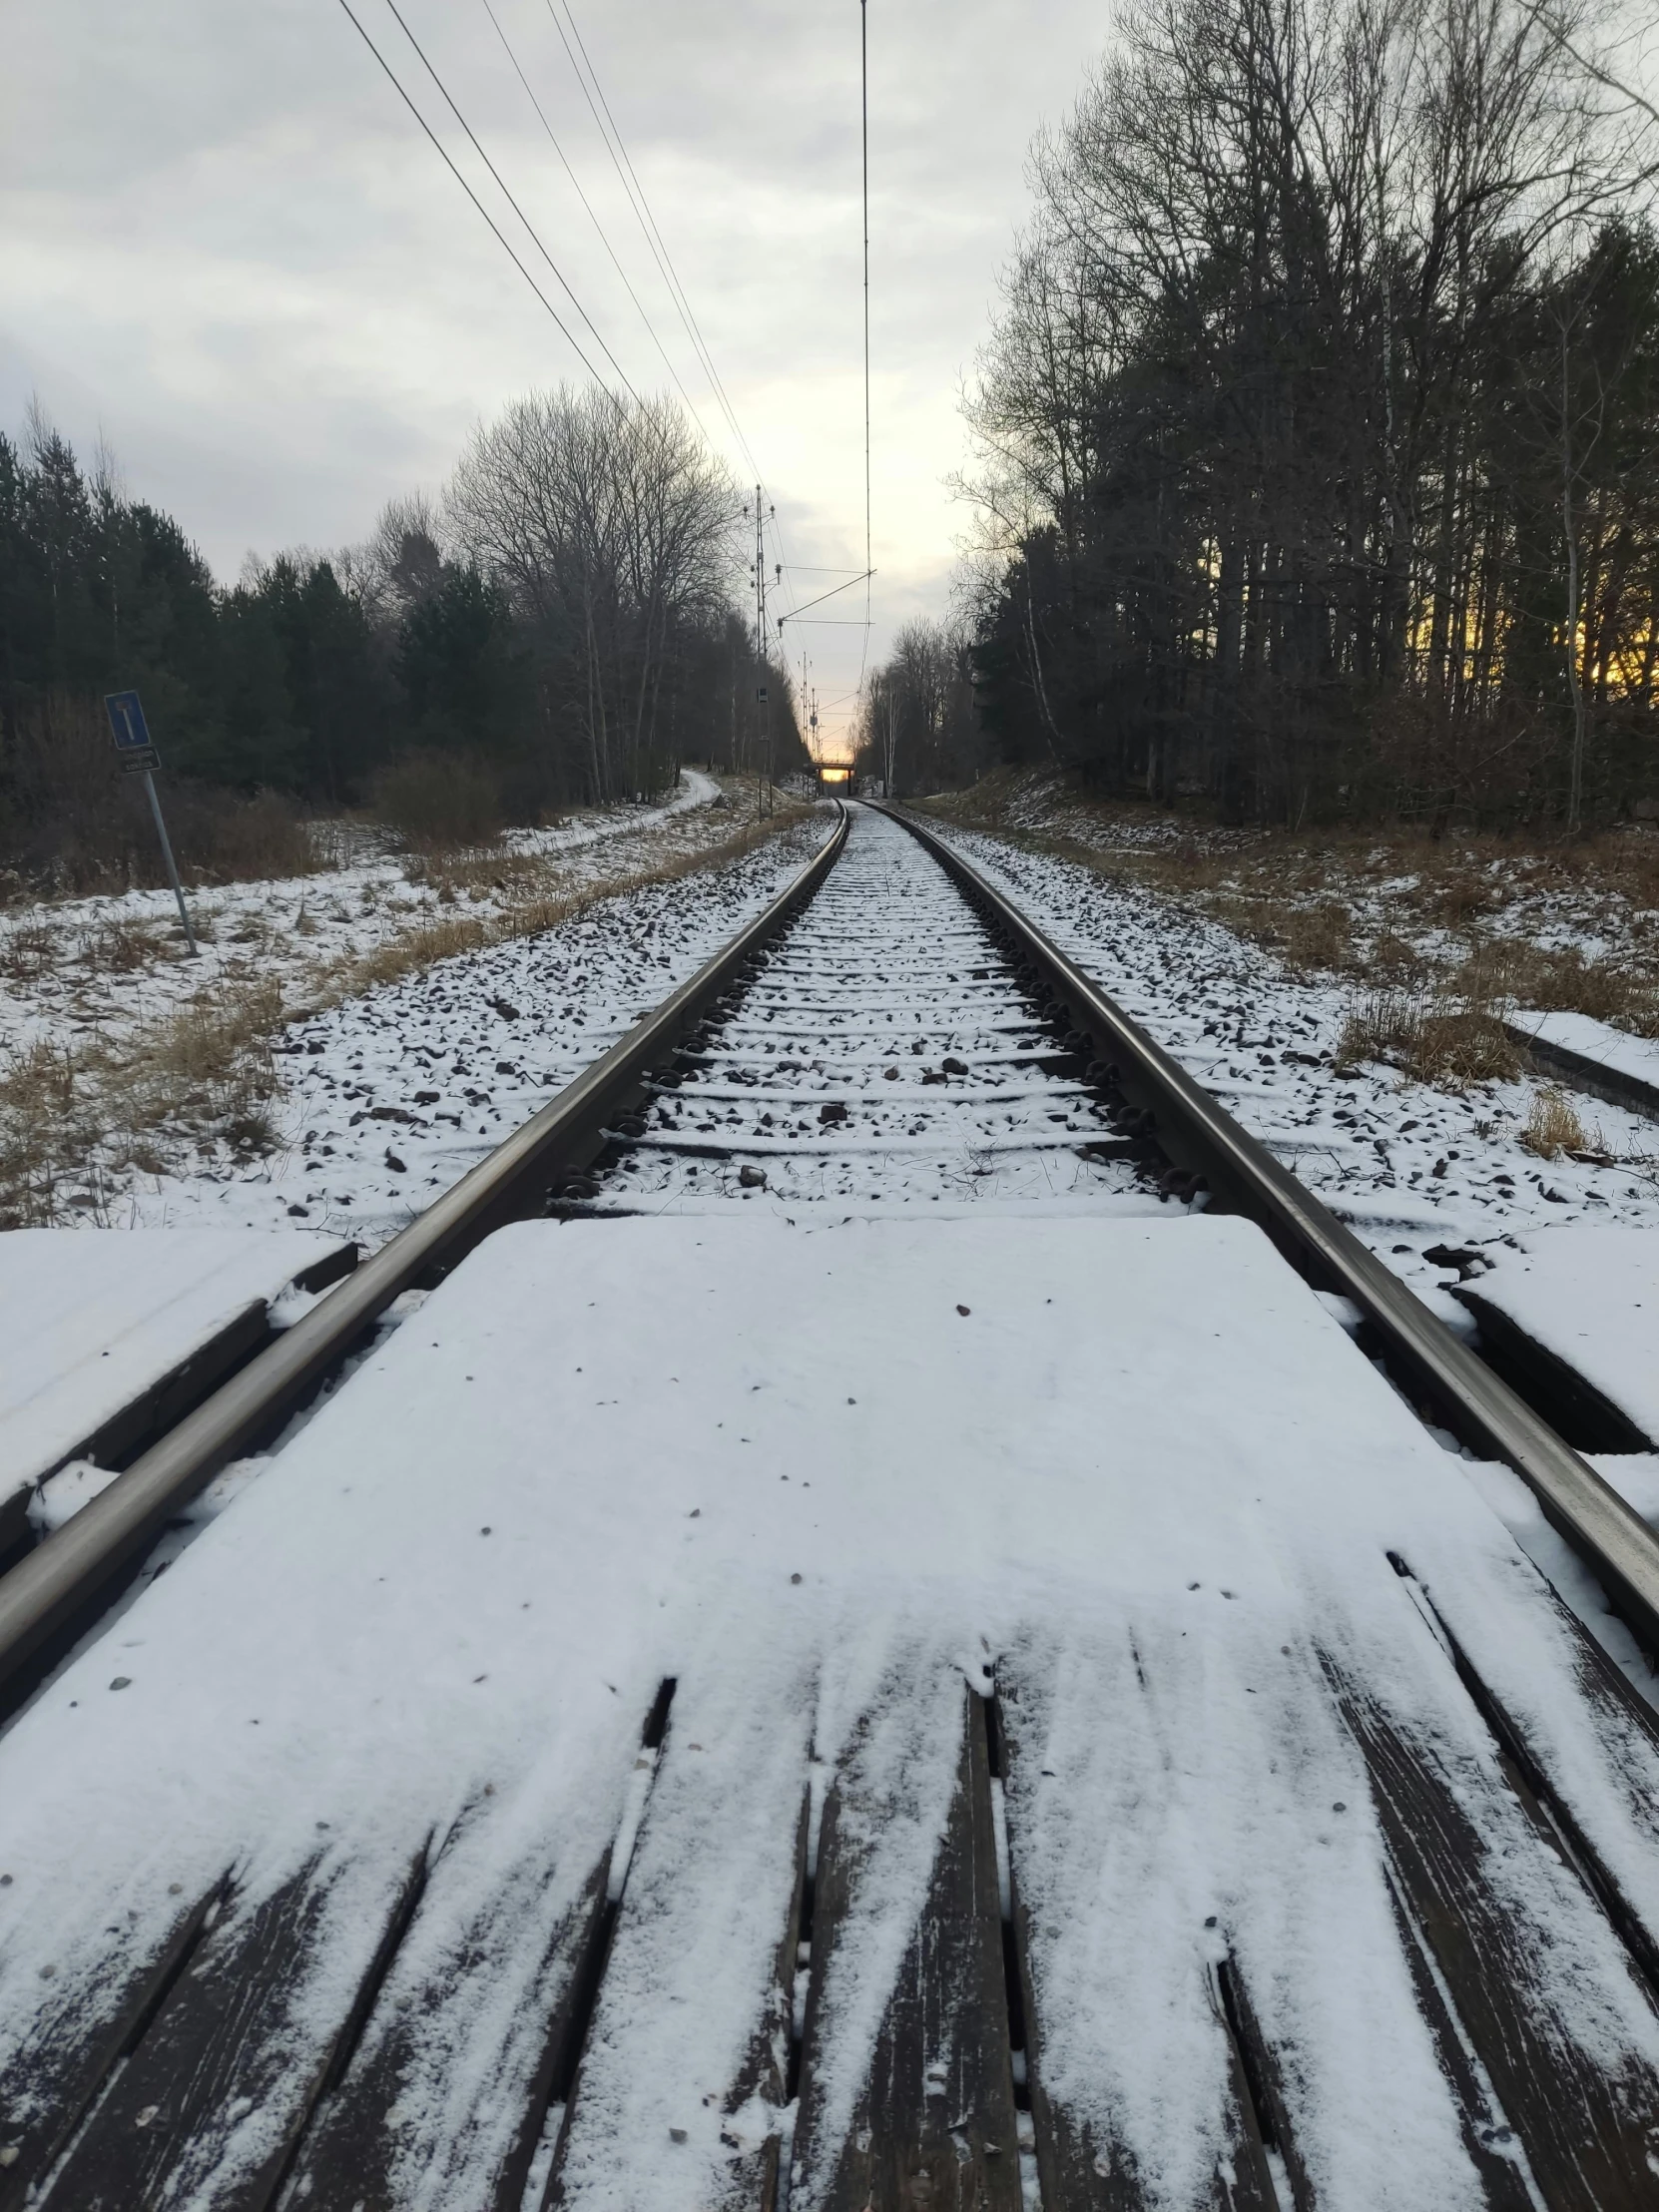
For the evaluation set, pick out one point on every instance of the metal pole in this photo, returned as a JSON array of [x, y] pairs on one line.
[[171, 866]]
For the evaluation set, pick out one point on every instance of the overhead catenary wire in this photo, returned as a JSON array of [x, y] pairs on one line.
[[795, 613], [634, 193], [444, 154], [863, 145], [641, 206], [511, 201], [683, 298], [599, 106], [518, 211], [593, 218]]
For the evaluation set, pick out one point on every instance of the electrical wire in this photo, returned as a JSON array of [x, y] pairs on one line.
[[599, 106], [642, 214], [511, 201], [693, 327], [593, 218], [443, 155], [795, 613], [864, 140], [657, 244]]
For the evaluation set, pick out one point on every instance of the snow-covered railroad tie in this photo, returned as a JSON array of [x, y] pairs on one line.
[[886, 1050]]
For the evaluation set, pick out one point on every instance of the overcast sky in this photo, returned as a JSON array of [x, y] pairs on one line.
[[224, 243]]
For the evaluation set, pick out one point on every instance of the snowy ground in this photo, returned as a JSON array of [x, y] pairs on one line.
[[140, 1095], [1414, 1170], [1590, 1295], [103, 966], [92, 1322], [824, 1471], [1634, 1058], [1582, 917], [392, 1096]]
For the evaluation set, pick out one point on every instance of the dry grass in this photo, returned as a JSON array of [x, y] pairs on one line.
[[1291, 892], [473, 871], [1553, 1127], [122, 943], [1314, 938], [1608, 990], [1448, 1038], [28, 948], [205, 1076]]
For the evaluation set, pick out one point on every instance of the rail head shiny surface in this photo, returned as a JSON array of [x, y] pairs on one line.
[[66, 1567], [1478, 1405]]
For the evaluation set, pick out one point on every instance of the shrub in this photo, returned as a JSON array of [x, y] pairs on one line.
[[439, 800], [71, 823]]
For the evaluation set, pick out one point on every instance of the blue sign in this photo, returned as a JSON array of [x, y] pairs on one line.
[[126, 723]]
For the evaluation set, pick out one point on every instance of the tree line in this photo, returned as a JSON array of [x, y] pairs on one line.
[[919, 728], [1318, 432], [557, 628]]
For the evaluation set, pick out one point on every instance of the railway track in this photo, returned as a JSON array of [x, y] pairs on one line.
[[870, 1899], [886, 1050]]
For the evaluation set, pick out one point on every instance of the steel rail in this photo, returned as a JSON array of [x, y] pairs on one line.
[[1478, 1405], [51, 1583]]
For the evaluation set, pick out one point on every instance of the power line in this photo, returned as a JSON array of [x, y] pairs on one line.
[[656, 243], [695, 329], [635, 192], [511, 201], [593, 218], [637, 202], [472, 196], [796, 613], [863, 138]]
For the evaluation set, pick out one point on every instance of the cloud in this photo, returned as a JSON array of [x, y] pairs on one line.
[[225, 242]]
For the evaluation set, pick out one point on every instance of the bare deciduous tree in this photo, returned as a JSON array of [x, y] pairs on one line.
[[1258, 506], [613, 530]]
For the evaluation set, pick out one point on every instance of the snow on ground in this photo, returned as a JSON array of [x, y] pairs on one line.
[[1433, 898], [1415, 1170], [823, 1470], [1635, 1057], [822, 1477], [101, 967], [566, 990], [391, 1097]]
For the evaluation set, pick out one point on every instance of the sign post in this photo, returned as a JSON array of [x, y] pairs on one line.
[[140, 758]]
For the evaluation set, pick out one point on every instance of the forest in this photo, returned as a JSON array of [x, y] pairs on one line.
[[558, 628], [1316, 436]]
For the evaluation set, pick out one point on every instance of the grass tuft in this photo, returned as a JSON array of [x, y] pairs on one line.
[[203, 1077], [1446, 1037], [1553, 1127]]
